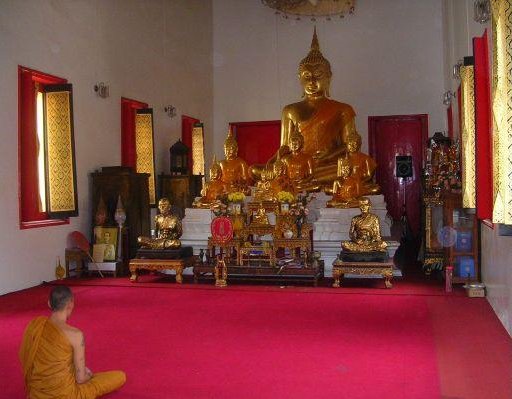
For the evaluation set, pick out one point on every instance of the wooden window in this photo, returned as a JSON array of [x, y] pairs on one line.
[[46, 151], [137, 141]]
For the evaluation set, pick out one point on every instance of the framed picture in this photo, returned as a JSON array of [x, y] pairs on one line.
[[108, 237]]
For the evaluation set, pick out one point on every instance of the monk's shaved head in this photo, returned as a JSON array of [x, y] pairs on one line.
[[59, 297]]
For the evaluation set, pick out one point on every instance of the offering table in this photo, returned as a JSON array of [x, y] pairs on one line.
[[340, 268], [178, 265]]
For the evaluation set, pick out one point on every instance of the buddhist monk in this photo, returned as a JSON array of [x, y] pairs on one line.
[[52, 355]]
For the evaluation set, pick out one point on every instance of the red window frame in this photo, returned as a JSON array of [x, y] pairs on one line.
[[28, 189], [129, 108]]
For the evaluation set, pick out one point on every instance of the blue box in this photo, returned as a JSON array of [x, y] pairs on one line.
[[464, 241], [465, 266]]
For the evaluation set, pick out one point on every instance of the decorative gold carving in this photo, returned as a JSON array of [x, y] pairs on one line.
[[340, 268], [198, 150], [178, 265], [59, 142], [221, 272], [468, 136], [502, 110], [144, 150]]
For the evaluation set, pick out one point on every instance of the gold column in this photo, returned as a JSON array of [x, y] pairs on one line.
[[502, 109], [467, 76]]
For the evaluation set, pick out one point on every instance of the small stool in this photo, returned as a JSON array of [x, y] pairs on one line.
[[77, 256]]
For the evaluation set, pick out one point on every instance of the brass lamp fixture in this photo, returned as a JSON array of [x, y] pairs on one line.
[[482, 11], [312, 8]]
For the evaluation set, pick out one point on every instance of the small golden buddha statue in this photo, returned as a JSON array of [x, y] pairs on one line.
[[260, 217], [168, 229], [362, 166], [263, 190], [345, 190], [235, 171], [281, 180], [300, 165], [213, 189], [324, 123], [364, 231]]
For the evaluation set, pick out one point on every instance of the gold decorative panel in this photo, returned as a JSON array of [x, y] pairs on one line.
[[467, 75], [60, 177], [198, 150], [144, 149], [502, 110]]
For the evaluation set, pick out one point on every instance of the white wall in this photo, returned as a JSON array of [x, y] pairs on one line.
[[386, 59], [158, 51], [496, 256]]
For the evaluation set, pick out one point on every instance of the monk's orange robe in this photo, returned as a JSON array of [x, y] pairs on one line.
[[47, 359]]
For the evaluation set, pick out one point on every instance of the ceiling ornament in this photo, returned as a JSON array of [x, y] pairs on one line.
[[312, 9]]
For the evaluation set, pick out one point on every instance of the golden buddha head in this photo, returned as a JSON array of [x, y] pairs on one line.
[[230, 146], [296, 141], [164, 206], [315, 71], [343, 167], [215, 170], [353, 143]]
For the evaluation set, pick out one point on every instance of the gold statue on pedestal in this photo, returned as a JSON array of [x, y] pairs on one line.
[[345, 189], [168, 229], [235, 171], [364, 231], [362, 166], [261, 217], [212, 189]]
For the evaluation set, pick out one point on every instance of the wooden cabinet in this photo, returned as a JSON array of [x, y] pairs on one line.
[[460, 236], [180, 189], [432, 220], [112, 182]]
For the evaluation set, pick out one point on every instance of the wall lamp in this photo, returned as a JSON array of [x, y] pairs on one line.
[[101, 89], [170, 111], [448, 96], [456, 69], [482, 11]]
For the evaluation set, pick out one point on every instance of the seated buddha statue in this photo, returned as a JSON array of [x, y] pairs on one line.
[[362, 166], [213, 189], [260, 217], [345, 189], [324, 123], [281, 180], [235, 171], [300, 165], [168, 229], [364, 231]]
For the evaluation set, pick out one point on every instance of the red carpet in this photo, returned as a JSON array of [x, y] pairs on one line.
[[265, 342]]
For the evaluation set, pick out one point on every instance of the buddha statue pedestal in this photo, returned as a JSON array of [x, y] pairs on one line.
[[196, 229], [332, 225]]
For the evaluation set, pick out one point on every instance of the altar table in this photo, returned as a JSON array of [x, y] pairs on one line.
[[340, 268], [178, 265]]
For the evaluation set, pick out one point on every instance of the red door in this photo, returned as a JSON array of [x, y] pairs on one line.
[[257, 141], [391, 136]]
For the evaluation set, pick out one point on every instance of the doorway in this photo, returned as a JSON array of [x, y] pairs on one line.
[[399, 136]]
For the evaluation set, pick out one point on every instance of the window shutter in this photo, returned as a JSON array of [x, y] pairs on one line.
[[145, 148], [198, 149], [59, 145]]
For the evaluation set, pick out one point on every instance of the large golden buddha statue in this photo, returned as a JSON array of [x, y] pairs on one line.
[[168, 229], [325, 124], [364, 231], [213, 189], [235, 171]]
